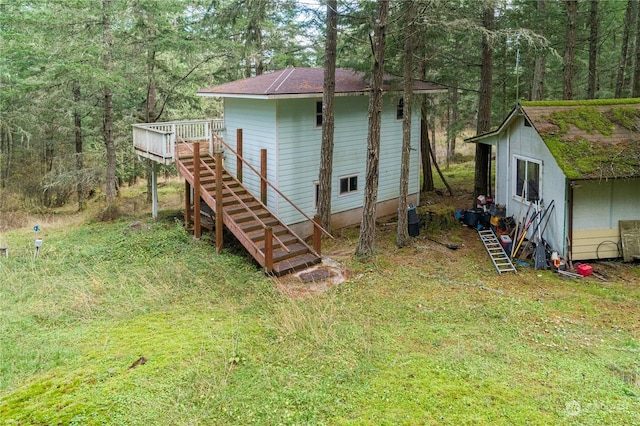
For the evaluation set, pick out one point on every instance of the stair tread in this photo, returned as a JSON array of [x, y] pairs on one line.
[[295, 264], [240, 206]]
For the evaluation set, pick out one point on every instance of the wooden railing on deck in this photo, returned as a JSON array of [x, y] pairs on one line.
[[157, 140]]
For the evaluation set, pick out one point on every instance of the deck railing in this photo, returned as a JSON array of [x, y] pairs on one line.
[[157, 141]]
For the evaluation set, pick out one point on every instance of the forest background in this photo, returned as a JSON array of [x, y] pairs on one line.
[[75, 74]]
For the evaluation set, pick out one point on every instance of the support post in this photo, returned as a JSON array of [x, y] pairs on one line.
[[239, 156], [187, 203], [268, 249], [317, 235], [197, 231], [263, 173], [154, 190], [219, 201]]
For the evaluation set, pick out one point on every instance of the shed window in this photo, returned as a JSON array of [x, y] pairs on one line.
[[348, 184], [400, 109], [318, 113], [529, 172]]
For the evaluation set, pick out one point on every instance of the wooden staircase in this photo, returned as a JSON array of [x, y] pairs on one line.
[[248, 218]]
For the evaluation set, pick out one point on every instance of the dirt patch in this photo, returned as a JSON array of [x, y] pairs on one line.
[[314, 280]]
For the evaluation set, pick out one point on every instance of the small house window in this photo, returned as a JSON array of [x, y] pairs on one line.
[[318, 113], [528, 178], [400, 109], [348, 184]]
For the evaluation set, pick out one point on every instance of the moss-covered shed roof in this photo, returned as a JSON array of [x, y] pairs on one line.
[[597, 139]]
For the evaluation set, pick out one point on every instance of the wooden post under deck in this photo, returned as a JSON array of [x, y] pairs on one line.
[[263, 173], [268, 249], [187, 203], [317, 235], [197, 231], [239, 156], [219, 201], [154, 190]]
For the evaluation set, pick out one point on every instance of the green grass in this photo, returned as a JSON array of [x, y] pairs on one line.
[[415, 336]]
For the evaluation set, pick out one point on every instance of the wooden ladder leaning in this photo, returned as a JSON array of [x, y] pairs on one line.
[[500, 259]]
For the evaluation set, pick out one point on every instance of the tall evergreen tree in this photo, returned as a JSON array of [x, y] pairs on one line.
[[593, 50], [483, 151], [368, 225], [402, 233], [570, 48], [326, 151]]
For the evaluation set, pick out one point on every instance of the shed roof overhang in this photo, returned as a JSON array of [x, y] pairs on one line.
[[492, 137]]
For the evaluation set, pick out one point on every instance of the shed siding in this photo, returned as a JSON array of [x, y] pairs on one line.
[[598, 206], [523, 141]]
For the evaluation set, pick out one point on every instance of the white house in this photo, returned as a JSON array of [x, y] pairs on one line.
[[583, 155], [281, 112]]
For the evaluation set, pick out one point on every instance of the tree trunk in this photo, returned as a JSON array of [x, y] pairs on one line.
[[593, 50], [540, 63], [570, 48], [628, 19], [636, 70], [403, 238], [483, 151], [425, 159], [326, 151], [77, 126], [368, 225], [425, 148], [107, 124], [453, 124]]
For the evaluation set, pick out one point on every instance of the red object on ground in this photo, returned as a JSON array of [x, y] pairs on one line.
[[585, 270]]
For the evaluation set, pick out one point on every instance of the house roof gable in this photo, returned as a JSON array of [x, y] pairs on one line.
[[306, 82], [592, 139]]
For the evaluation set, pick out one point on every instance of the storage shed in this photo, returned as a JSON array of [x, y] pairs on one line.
[[583, 155]]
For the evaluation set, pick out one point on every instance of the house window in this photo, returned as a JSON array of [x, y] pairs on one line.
[[348, 184], [318, 113], [400, 109], [528, 178]]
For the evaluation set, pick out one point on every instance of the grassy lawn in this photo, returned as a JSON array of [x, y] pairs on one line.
[[421, 335]]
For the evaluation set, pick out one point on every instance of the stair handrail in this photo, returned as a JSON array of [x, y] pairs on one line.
[[222, 142], [237, 197]]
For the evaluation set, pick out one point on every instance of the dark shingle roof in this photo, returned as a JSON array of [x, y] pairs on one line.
[[597, 139], [306, 82]]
